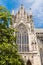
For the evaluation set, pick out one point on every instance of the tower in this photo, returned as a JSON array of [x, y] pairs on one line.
[[25, 37]]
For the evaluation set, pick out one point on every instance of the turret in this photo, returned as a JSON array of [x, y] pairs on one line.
[[22, 7], [31, 20], [30, 13], [22, 11]]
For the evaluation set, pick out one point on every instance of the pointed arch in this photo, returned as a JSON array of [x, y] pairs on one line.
[[22, 38], [29, 62]]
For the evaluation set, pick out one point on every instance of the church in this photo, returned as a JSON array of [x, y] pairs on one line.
[[27, 37]]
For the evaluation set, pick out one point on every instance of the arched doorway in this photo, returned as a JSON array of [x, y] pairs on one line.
[[28, 62]]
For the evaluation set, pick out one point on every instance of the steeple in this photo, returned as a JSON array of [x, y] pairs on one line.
[[21, 5]]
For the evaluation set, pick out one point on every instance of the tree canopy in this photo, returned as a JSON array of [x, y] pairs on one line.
[[8, 48], [5, 16]]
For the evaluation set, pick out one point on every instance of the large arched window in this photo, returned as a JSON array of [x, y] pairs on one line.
[[22, 38]]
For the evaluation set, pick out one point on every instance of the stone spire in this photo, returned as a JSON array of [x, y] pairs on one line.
[[30, 13], [22, 7]]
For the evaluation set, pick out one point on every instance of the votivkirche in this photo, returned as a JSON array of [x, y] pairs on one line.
[[27, 37]]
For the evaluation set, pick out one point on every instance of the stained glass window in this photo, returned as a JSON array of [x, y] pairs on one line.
[[22, 38]]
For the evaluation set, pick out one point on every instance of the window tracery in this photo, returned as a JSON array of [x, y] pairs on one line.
[[22, 38]]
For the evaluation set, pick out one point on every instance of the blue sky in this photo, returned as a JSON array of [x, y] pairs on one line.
[[35, 5]]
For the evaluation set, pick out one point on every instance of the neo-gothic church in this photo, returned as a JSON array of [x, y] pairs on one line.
[[26, 38]]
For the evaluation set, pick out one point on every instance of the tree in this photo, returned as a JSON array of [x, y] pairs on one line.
[[22, 61], [5, 31], [8, 49], [5, 16]]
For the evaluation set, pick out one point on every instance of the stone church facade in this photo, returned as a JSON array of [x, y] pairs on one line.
[[26, 37]]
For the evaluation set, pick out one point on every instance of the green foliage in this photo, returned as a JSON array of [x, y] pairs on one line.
[[22, 61], [5, 16], [8, 49], [9, 54], [7, 35]]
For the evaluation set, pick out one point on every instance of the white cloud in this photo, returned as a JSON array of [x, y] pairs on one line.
[[27, 1], [40, 12], [36, 4], [36, 7]]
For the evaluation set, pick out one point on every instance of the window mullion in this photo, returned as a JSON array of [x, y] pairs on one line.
[[21, 42]]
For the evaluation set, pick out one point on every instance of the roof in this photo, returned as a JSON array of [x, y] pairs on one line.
[[38, 30]]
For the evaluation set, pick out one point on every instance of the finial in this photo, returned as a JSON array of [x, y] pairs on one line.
[[30, 12], [21, 4], [30, 8], [12, 12]]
